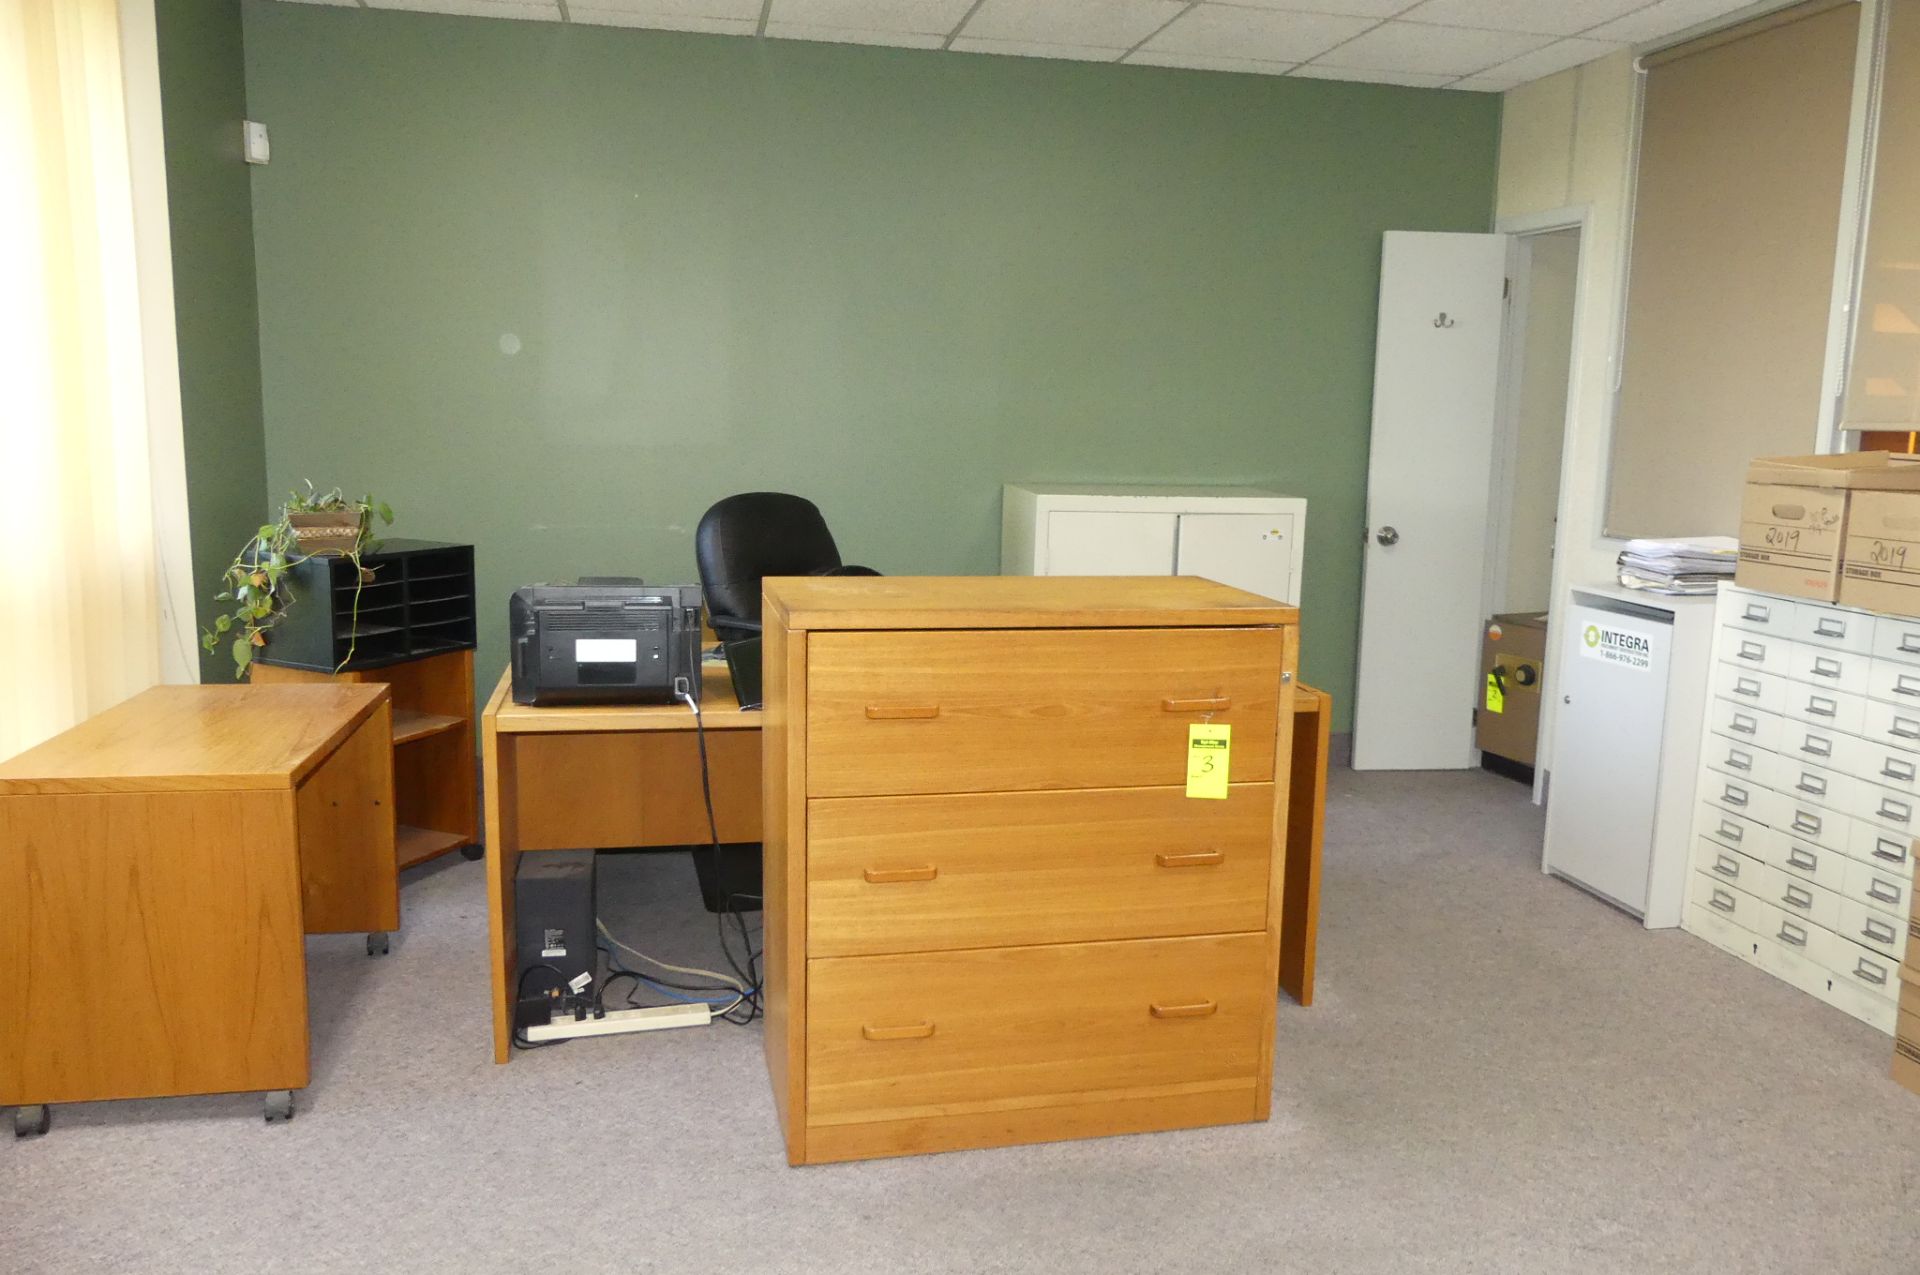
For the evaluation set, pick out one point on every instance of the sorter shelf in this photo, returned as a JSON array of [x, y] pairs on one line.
[[418, 600]]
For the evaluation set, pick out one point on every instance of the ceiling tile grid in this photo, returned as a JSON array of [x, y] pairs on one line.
[[1471, 45]]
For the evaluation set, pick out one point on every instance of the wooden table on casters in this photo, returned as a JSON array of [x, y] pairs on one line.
[[629, 775], [160, 866]]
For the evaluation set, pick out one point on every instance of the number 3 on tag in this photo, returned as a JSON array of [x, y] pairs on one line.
[[1208, 749]]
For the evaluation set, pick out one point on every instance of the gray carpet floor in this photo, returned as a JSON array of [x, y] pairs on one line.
[[1500, 1074]]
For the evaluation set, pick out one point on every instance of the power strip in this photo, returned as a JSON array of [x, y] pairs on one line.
[[651, 1019]]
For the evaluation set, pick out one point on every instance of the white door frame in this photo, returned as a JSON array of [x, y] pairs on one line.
[[1506, 441]]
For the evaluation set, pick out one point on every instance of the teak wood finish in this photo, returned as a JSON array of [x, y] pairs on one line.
[[159, 865], [943, 760]]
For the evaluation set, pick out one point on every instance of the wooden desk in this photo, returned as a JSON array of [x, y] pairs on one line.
[[159, 866], [566, 778]]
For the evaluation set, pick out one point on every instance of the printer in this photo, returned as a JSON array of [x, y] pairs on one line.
[[607, 640]]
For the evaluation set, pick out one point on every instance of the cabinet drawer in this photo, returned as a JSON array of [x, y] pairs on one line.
[[1863, 925], [1006, 1029], [1894, 682], [913, 874], [1884, 891], [1742, 797], [1833, 627], [1802, 900], [1891, 808], [1896, 637], [1862, 968], [1803, 782], [1745, 723], [993, 710], [1807, 822], [1836, 670], [1884, 848], [1757, 612], [1834, 710], [1881, 764], [1765, 652], [1738, 760], [1736, 832], [1730, 904], [1750, 689], [1816, 744], [1825, 868], [1730, 867], [1894, 724]]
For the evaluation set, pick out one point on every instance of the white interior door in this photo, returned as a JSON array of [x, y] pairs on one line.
[[1248, 551], [1436, 385]]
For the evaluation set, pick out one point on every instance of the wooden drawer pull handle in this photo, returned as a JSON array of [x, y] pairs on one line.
[[901, 712], [1199, 1009], [887, 876], [1218, 704], [1195, 859], [907, 1031]]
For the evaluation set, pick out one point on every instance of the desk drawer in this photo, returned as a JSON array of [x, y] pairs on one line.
[[1012, 1029], [914, 874], [1021, 709], [1745, 723]]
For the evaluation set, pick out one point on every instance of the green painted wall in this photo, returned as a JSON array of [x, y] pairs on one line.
[[555, 289], [210, 210]]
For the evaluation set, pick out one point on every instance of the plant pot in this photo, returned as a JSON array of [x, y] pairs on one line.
[[329, 531]]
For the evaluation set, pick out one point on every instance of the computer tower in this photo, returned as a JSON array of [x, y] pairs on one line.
[[554, 913]]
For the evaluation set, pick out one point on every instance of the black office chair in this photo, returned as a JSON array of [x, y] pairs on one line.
[[746, 538]]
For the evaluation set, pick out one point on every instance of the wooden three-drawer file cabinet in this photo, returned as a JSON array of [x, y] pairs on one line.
[[993, 913]]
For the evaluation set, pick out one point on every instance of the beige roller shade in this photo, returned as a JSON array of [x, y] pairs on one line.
[[1736, 218], [1883, 378]]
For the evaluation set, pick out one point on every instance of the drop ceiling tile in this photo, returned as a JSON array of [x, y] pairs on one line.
[[737, 10], [1667, 17], [546, 9], [1216, 30], [934, 17], [1555, 57], [1542, 17], [1202, 62], [660, 21], [1034, 49], [1406, 46], [1346, 8], [1117, 24], [1407, 79], [1485, 84], [854, 35]]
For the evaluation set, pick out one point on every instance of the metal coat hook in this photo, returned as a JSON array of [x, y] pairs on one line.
[[1443, 321]]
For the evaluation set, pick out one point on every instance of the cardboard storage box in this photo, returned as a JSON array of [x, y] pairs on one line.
[[1793, 518], [1880, 566], [1513, 653], [1906, 1033]]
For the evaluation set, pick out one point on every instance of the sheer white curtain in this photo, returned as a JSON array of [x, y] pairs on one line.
[[85, 620]]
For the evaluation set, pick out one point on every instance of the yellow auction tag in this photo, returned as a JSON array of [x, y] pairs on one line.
[[1208, 747], [1496, 698]]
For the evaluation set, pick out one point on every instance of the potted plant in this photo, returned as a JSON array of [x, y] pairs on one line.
[[312, 524]]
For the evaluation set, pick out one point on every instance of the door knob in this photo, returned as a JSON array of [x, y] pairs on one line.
[[1387, 536]]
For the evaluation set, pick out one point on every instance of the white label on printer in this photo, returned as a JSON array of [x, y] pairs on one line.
[[1624, 647], [606, 650]]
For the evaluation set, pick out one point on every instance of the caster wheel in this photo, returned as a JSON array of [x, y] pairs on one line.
[[31, 1121], [378, 944], [279, 1106], [473, 852]]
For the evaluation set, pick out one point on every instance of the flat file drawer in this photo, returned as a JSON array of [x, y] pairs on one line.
[[1884, 891], [1730, 904], [1894, 682], [1739, 760], [1743, 797], [904, 711], [1754, 690], [915, 874], [1820, 745], [1803, 782], [1730, 867], [1807, 822], [1825, 868], [1886, 723], [1763, 652], [1832, 627], [1736, 832], [1847, 671], [1002, 1029], [1863, 968], [1892, 808], [1797, 898], [1757, 612], [1834, 709], [1884, 848], [1896, 637], [1881, 763], [1744, 722], [1884, 934]]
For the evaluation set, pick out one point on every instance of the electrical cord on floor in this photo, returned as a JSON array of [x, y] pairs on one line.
[[519, 1040], [747, 970], [727, 1001]]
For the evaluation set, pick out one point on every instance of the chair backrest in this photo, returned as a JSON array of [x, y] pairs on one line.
[[745, 538]]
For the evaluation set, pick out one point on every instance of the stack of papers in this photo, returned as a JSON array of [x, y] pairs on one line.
[[1690, 565]]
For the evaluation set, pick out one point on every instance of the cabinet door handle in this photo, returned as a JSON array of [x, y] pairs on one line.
[[901, 712], [1752, 651], [1802, 860], [1870, 973], [1733, 796], [904, 1031], [1804, 822], [1812, 785], [1902, 770], [1738, 760], [1198, 1009], [1726, 867], [1757, 613], [1898, 811], [1191, 859], [1904, 728], [1787, 934], [1746, 686], [1821, 707], [1795, 897], [1906, 685], [1722, 900], [1732, 831], [1910, 644], [888, 876], [1825, 667], [1217, 704], [1880, 851], [1877, 932], [1745, 725], [1881, 892], [1830, 628], [1817, 747]]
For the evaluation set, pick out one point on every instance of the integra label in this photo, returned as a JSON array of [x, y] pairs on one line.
[[1617, 646]]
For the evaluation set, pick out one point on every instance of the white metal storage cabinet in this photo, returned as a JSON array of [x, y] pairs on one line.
[[1631, 682], [1239, 536], [1809, 797]]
